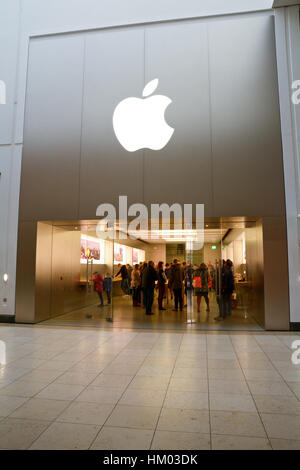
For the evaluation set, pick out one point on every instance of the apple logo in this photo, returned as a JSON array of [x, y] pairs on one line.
[[140, 123]]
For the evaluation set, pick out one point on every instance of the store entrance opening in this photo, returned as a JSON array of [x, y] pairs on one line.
[[98, 282]]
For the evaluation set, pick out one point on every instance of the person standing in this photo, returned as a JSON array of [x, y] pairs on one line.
[[167, 273], [142, 269], [107, 286], [162, 278], [98, 286], [136, 285], [188, 281], [175, 282], [201, 285], [148, 284], [227, 288], [129, 277], [124, 276]]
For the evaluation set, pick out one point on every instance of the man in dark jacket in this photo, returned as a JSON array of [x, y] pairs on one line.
[[148, 285], [175, 282], [226, 290]]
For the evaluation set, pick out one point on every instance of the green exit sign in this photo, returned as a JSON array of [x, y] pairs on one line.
[[213, 247]]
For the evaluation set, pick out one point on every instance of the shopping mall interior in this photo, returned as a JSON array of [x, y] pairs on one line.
[[68, 254]]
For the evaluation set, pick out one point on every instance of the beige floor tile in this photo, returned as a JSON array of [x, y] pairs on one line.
[[236, 423], [155, 371], [18, 434], [23, 388], [57, 391], [226, 374], [128, 369], [85, 413], [144, 417], [27, 363], [291, 376], [190, 372], [285, 444], [295, 386], [149, 383], [174, 419], [88, 368], [76, 378], [263, 387], [8, 404], [228, 386], [112, 381], [223, 442], [231, 402], [40, 409], [250, 363], [143, 397], [39, 375], [66, 436], [222, 355], [188, 384], [277, 404], [172, 440], [106, 396], [260, 374], [55, 365], [159, 362], [223, 364], [248, 356], [192, 363], [72, 357], [186, 400], [282, 426], [114, 438]]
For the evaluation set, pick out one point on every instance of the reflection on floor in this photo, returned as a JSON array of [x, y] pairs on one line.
[[127, 316]]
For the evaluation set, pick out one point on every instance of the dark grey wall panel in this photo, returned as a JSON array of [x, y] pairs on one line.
[[247, 158], [114, 71], [50, 167], [181, 171]]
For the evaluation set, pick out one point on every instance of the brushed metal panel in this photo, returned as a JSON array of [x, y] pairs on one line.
[[277, 315], [255, 271], [51, 157], [25, 279], [113, 72], [177, 55], [43, 272], [246, 144], [67, 293]]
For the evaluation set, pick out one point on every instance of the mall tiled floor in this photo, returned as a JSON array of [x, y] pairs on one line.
[[76, 388]]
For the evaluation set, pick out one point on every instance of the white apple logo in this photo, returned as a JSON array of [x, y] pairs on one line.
[[140, 123]]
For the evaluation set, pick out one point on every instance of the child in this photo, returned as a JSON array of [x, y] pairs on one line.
[[107, 286], [98, 286]]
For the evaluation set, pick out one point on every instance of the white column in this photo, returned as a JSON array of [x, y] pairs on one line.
[[287, 33]]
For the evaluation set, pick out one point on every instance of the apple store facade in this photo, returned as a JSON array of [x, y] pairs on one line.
[[164, 108]]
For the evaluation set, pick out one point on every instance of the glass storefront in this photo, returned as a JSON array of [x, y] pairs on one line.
[[92, 276]]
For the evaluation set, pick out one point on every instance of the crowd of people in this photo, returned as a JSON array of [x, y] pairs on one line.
[[179, 281]]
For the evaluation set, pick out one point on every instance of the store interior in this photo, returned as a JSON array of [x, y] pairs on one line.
[[66, 295]]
